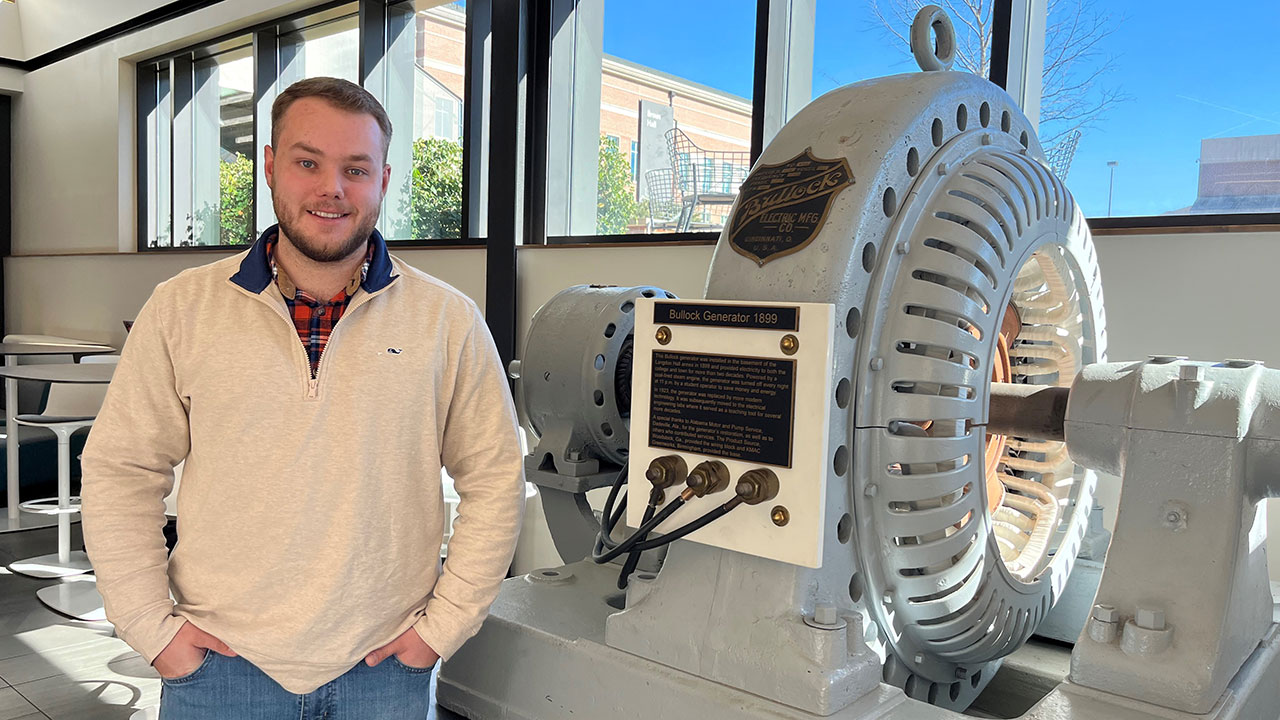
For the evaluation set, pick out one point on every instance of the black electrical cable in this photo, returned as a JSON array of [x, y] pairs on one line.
[[610, 516], [645, 529], [633, 558], [605, 536], [710, 517]]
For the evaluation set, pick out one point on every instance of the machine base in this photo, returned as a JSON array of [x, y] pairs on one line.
[[1254, 693], [541, 655]]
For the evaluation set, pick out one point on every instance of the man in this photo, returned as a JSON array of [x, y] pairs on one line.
[[314, 386]]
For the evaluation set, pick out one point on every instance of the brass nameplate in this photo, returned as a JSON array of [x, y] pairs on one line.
[[782, 207]]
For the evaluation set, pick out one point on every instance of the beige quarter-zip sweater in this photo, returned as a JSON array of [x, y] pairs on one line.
[[310, 514]]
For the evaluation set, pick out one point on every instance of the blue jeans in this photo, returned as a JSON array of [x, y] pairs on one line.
[[232, 688]]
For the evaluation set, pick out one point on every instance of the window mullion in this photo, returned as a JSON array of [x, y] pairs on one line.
[[266, 65], [573, 142], [1025, 64], [184, 152], [393, 84]]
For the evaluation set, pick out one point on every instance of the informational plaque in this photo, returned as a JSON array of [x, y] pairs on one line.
[[723, 405], [759, 317], [739, 386]]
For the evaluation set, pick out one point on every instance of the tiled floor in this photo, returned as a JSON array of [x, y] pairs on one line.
[[55, 668]]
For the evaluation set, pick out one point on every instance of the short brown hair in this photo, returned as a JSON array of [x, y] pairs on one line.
[[342, 94]]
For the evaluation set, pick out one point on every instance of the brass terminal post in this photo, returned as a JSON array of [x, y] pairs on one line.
[[757, 486], [708, 477], [666, 471]]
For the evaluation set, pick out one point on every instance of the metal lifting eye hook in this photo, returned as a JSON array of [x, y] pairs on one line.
[[931, 54]]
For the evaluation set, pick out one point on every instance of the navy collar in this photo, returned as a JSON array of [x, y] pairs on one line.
[[254, 274]]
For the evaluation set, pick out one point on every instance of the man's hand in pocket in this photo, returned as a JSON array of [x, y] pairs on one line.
[[185, 652]]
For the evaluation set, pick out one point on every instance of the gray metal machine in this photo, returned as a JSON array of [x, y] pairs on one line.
[[873, 439]]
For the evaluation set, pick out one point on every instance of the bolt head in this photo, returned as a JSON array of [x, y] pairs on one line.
[[904, 247], [1194, 373], [1149, 618], [877, 363], [825, 614], [1106, 613], [780, 516]]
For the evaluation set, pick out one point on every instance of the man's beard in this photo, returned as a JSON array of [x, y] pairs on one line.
[[318, 252]]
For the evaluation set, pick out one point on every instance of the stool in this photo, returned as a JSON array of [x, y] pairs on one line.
[[64, 562], [68, 409]]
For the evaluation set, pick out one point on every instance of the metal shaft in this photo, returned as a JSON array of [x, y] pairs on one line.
[[1035, 412]]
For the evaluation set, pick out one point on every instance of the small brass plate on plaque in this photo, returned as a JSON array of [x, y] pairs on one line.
[[782, 207]]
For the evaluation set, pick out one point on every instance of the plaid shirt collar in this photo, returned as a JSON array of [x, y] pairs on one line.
[[254, 274], [291, 291]]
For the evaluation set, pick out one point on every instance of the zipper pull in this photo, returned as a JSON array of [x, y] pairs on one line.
[[311, 388]]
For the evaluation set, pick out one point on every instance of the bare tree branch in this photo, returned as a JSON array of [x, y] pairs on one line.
[[1074, 93]]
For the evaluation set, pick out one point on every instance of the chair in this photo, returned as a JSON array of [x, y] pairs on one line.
[[1060, 155], [704, 177], [70, 407], [664, 202]]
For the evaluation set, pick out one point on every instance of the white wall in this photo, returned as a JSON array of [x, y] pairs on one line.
[[87, 296], [545, 271], [50, 24], [11, 33]]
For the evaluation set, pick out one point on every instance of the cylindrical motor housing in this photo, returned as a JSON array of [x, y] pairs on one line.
[[574, 385]]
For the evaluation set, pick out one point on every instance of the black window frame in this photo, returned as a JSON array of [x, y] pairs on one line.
[[535, 181]]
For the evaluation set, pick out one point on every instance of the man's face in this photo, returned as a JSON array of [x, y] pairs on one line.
[[327, 177]]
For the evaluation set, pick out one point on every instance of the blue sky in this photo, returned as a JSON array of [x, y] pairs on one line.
[[1187, 74]]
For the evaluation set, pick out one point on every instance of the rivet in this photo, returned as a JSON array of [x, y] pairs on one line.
[[780, 516]]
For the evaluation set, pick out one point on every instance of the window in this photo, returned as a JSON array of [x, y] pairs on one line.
[[156, 117], [204, 115], [630, 92], [222, 157], [833, 43], [1192, 135], [324, 45], [424, 75]]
